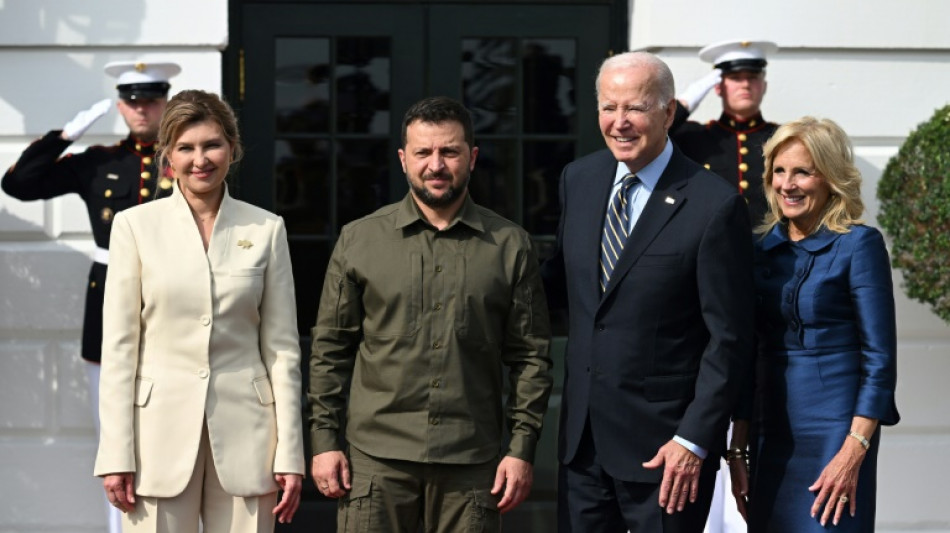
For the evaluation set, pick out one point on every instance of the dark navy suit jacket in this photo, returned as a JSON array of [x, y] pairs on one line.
[[664, 349]]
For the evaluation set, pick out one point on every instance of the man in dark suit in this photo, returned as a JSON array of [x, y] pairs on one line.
[[660, 320]]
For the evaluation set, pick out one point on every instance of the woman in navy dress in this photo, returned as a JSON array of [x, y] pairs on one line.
[[826, 365]]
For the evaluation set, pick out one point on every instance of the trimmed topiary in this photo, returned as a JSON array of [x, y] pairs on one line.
[[915, 212]]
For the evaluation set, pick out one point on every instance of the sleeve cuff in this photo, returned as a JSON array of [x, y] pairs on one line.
[[522, 447], [698, 450], [324, 440]]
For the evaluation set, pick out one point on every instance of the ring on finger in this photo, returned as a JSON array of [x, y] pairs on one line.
[[843, 499]]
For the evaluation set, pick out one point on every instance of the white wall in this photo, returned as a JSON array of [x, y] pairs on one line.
[[878, 68], [52, 53]]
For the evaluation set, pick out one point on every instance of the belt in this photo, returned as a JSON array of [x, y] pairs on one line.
[[100, 255]]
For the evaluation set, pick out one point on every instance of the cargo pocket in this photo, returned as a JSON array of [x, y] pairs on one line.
[[483, 512], [355, 511], [143, 390]]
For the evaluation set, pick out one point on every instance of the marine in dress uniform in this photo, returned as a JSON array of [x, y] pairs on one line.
[[108, 178], [730, 146]]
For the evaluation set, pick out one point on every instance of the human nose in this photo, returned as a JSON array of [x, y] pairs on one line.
[[436, 162]]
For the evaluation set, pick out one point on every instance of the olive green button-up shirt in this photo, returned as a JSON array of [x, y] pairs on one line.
[[420, 323]]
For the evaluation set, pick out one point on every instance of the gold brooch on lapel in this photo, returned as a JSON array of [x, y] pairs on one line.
[[245, 244], [670, 200]]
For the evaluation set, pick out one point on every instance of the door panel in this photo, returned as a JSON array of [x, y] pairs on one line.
[[325, 88]]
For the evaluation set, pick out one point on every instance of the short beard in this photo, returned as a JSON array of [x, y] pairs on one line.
[[451, 194]]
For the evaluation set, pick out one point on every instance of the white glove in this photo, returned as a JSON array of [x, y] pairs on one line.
[[81, 122], [697, 90]]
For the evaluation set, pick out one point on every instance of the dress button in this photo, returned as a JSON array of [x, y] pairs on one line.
[[146, 160], [437, 307], [205, 320], [144, 192], [438, 268], [435, 384], [146, 175], [600, 327], [743, 150], [436, 345], [203, 373], [742, 137], [743, 167], [108, 193], [92, 284], [434, 421], [744, 184]]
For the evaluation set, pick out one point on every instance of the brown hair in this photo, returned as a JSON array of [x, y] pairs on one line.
[[191, 107]]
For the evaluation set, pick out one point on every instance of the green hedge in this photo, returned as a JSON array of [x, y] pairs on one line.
[[915, 212]]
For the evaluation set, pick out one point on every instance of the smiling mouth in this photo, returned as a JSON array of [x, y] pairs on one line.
[[202, 173], [795, 200]]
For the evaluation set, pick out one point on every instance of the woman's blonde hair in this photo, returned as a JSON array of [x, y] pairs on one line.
[[190, 107], [831, 151]]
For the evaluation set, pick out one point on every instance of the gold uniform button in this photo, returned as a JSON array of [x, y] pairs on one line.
[[743, 150], [752, 123], [146, 160], [146, 175], [743, 167], [732, 123], [108, 193], [742, 137], [92, 284], [743, 185], [144, 192], [165, 183], [106, 214], [138, 147], [708, 166]]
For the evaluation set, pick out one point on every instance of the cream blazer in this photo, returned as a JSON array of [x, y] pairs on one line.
[[191, 337]]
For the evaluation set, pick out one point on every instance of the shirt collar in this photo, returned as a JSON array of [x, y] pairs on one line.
[[408, 213], [650, 174], [732, 123], [813, 243]]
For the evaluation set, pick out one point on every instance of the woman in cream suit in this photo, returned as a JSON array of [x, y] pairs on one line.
[[200, 386]]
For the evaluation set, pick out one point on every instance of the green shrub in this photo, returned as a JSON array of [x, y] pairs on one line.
[[915, 212]]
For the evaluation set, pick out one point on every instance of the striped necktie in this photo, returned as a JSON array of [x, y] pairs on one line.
[[615, 230]]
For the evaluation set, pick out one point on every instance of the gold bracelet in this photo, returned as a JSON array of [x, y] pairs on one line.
[[860, 438], [736, 453]]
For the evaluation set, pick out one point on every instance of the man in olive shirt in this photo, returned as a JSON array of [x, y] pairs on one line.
[[424, 302]]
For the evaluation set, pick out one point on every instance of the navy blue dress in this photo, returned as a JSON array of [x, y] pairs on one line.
[[827, 347]]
